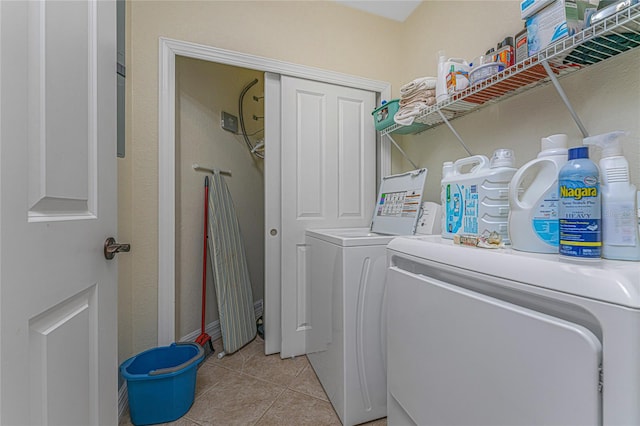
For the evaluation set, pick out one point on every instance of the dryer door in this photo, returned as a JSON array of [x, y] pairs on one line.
[[459, 357]]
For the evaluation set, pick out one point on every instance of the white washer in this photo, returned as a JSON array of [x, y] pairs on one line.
[[501, 337], [346, 273]]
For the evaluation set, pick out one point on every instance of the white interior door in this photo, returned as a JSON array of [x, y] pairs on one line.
[[58, 293], [328, 169]]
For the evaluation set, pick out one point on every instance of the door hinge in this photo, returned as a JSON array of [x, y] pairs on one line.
[[121, 70], [600, 378]]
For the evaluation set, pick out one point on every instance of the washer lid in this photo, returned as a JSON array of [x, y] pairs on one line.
[[398, 204], [612, 281], [350, 237]]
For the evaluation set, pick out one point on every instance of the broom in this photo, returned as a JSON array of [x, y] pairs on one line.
[[204, 339]]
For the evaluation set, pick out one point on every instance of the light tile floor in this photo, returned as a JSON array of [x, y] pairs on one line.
[[249, 388]]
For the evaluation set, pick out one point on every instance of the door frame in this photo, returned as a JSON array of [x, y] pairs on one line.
[[168, 50]]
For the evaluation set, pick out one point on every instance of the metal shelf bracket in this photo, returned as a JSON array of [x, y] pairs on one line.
[[564, 98], [404, 154], [444, 119]]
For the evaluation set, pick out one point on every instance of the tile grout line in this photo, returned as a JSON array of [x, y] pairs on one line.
[[270, 405]]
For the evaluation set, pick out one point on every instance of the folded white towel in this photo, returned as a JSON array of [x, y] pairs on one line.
[[426, 96], [407, 114], [422, 83]]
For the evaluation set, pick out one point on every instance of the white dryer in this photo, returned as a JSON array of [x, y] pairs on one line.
[[501, 337], [346, 273]]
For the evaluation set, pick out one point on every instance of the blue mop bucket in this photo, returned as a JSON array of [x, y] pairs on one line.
[[161, 382]]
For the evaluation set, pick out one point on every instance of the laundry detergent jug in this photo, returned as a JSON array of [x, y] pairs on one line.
[[533, 210], [475, 195]]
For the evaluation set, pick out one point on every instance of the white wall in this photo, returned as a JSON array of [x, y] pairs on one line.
[[203, 91]]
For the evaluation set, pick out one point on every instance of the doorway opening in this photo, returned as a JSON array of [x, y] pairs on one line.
[[167, 207], [213, 132]]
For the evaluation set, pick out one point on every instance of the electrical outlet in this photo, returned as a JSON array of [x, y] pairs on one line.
[[229, 122]]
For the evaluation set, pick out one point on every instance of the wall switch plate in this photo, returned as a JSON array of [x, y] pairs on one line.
[[229, 122]]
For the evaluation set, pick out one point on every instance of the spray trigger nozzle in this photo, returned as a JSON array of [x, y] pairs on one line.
[[609, 143]]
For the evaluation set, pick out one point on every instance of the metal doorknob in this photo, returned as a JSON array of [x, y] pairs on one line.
[[111, 248]]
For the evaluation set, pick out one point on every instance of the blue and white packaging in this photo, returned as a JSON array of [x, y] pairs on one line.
[[557, 20], [579, 210], [529, 7]]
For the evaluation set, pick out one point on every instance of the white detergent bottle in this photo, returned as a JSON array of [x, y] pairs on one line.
[[620, 239], [475, 195], [441, 80], [447, 172], [457, 75], [533, 211]]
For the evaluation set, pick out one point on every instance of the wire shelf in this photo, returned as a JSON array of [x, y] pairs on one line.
[[604, 40]]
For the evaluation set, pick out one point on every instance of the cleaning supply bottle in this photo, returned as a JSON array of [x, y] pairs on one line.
[[447, 172], [620, 239], [441, 79], [579, 209], [475, 195], [457, 75], [533, 212]]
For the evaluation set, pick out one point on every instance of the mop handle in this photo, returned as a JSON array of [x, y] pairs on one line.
[[204, 249]]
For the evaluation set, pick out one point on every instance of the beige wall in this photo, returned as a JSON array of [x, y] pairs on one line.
[[203, 91], [330, 36], [605, 96], [313, 33]]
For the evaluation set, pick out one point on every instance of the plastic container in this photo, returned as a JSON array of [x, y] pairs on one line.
[[453, 76], [161, 382], [505, 52], [485, 71], [533, 211], [441, 78], [620, 239], [522, 51], [579, 209], [457, 75], [447, 173], [475, 195], [383, 115]]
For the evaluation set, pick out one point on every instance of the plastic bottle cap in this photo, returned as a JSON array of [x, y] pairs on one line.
[[502, 158], [508, 41], [558, 141], [578, 152]]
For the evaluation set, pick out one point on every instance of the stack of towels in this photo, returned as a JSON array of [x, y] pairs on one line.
[[415, 97]]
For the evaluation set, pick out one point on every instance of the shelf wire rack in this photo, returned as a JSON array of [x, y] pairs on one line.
[[612, 36]]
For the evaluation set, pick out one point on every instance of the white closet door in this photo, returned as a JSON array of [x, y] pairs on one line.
[[328, 169], [58, 293], [457, 357]]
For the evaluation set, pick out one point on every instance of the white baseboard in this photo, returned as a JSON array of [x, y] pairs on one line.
[[212, 329], [123, 402]]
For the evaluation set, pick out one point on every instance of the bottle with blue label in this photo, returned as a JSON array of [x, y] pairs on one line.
[[474, 195], [533, 208], [579, 210]]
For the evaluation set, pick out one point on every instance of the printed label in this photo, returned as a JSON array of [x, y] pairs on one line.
[[579, 214], [470, 212], [620, 224], [545, 218], [461, 209], [453, 209], [399, 204]]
